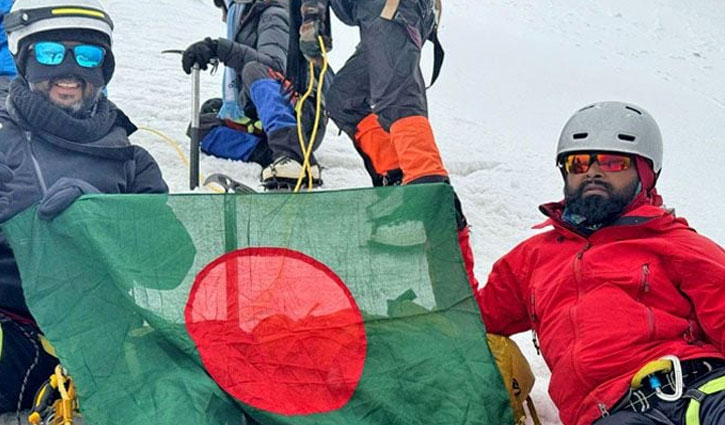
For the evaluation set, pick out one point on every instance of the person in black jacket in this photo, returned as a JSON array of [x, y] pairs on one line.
[[255, 85], [60, 138]]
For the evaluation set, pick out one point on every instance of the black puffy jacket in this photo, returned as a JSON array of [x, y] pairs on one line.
[[263, 36], [38, 159]]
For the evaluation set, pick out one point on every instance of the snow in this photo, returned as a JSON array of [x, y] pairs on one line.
[[515, 71]]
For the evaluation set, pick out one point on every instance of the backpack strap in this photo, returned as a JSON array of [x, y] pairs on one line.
[[388, 13], [438, 55], [391, 6]]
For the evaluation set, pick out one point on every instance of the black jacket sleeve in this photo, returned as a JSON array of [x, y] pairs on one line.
[[344, 9], [272, 43], [147, 176]]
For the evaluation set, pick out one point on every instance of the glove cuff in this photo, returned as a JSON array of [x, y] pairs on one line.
[[223, 47]]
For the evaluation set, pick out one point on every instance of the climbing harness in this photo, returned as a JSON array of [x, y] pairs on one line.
[[696, 396], [676, 374]]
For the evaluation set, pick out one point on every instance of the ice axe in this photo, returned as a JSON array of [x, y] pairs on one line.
[[194, 128]]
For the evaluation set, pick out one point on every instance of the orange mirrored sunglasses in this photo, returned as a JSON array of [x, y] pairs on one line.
[[578, 163]]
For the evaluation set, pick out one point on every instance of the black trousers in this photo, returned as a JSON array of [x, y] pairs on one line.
[[383, 76], [19, 350]]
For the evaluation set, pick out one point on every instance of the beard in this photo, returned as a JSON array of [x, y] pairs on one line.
[[79, 109], [598, 210]]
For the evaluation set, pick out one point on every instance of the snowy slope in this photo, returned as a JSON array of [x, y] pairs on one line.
[[515, 70]]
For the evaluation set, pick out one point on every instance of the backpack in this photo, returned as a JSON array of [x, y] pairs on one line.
[[517, 376]]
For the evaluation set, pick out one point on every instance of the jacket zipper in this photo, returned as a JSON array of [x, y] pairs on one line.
[[578, 266], [651, 322], [644, 281], [36, 164], [572, 319], [534, 319], [532, 315], [603, 410]]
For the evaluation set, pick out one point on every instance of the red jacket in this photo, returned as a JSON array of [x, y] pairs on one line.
[[604, 305]]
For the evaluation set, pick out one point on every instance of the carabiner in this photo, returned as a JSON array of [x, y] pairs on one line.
[[678, 381]]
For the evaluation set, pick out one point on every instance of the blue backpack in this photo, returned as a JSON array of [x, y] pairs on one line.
[[7, 65]]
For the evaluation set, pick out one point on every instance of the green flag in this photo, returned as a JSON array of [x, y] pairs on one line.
[[343, 307]]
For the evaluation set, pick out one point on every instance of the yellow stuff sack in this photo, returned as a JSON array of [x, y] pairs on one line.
[[517, 376]]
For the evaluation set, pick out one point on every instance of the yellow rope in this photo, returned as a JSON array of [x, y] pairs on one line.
[[307, 147], [300, 136], [179, 151]]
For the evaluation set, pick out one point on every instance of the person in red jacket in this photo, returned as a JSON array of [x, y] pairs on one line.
[[626, 301]]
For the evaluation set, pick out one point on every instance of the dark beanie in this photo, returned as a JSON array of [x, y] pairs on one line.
[[33, 71]]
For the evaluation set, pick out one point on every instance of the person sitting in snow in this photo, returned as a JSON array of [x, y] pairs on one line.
[[626, 301], [255, 53], [61, 138]]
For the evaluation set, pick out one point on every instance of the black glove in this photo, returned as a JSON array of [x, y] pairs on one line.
[[312, 10], [201, 52], [313, 18], [61, 195], [6, 176]]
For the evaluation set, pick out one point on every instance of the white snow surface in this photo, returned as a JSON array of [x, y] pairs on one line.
[[515, 70]]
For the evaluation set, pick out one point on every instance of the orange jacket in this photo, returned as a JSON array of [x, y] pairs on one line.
[[604, 305]]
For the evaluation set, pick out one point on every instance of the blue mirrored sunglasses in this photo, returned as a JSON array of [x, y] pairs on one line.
[[53, 53]]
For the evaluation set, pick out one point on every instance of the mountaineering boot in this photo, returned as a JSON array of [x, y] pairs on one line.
[[279, 123], [415, 145], [286, 168], [284, 172]]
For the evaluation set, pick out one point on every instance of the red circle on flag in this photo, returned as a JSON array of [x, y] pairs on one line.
[[278, 330]]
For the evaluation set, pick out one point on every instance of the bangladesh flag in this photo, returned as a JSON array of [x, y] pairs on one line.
[[346, 307]]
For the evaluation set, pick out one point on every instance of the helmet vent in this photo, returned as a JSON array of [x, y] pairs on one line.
[[626, 137], [580, 136], [638, 112]]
